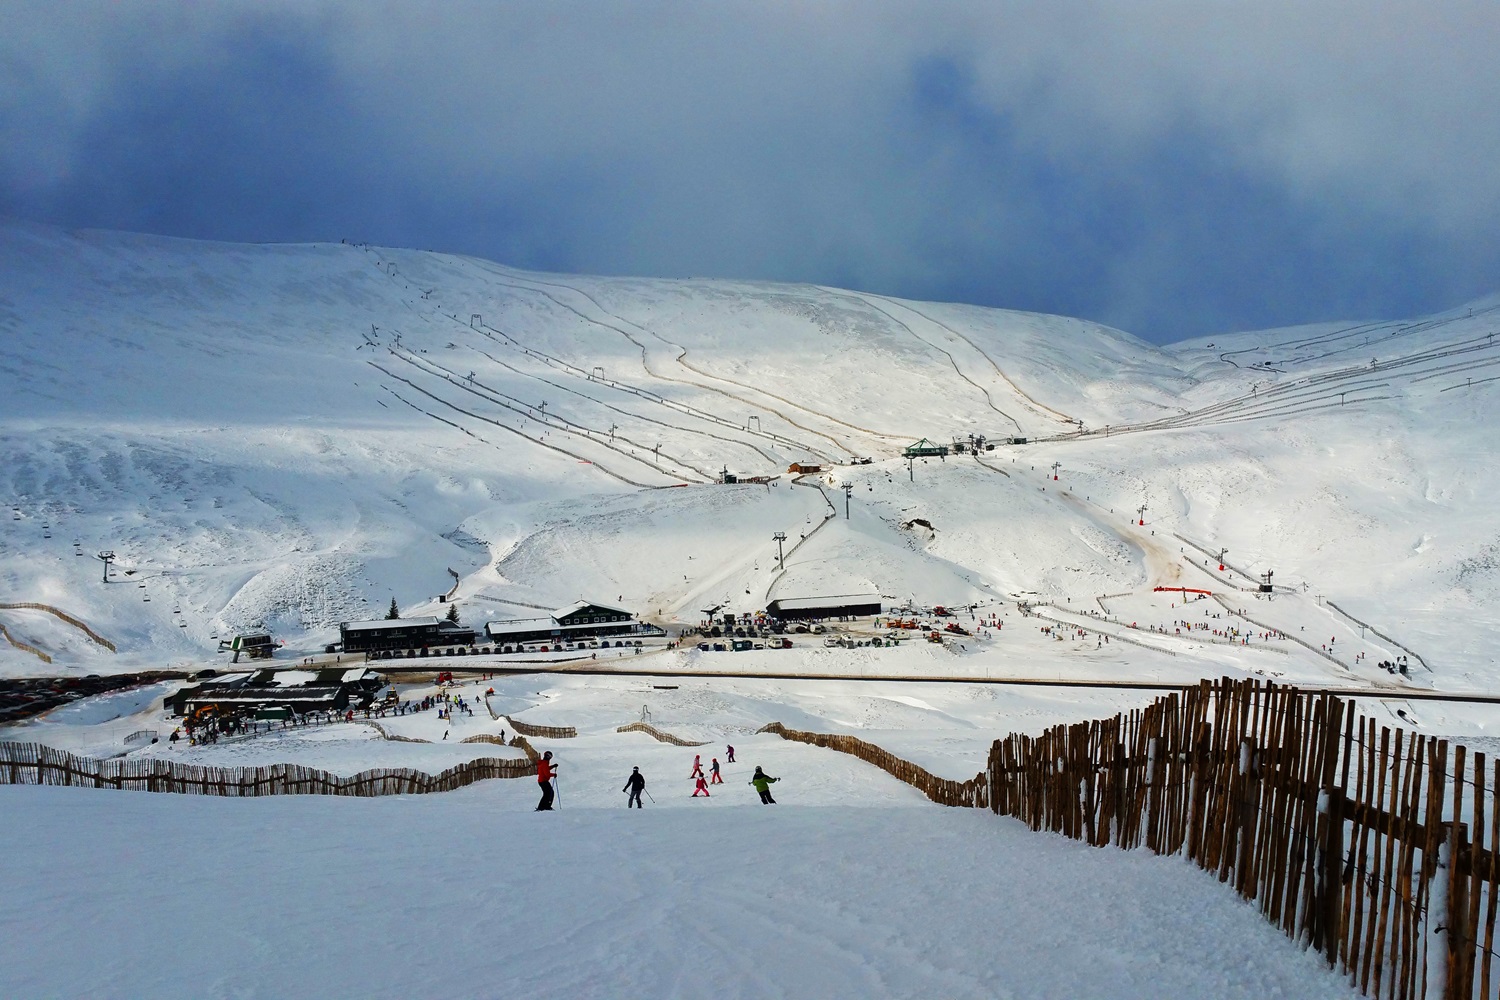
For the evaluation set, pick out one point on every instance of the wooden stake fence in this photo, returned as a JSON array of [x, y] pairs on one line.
[[973, 792], [545, 732], [1375, 846], [658, 734], [34, 764], [1354, 839]]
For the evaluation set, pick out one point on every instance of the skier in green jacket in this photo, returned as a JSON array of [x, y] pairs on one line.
[[762, 783]]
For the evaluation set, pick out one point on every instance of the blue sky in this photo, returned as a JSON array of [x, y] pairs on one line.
[[1172, 169]]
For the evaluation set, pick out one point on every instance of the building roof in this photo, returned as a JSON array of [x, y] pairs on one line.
[[294, 678], [387, 623], [254, 694], [561, 613], [510, 625], [838, 601]]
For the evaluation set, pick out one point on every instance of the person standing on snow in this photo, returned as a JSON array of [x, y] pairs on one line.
[[635, 785], [762, 783], [729, 754], [545, 771], [697, 766], [702, 788], [713, 770]]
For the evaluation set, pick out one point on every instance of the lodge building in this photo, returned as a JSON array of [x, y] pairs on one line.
[[580, 620], [403, 633]]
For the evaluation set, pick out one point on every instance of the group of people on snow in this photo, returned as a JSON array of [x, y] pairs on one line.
[[635, 784]]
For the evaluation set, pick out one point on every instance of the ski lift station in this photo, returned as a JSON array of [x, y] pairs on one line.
[[923, 449]]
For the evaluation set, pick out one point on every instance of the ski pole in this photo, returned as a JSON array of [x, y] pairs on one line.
[[648, 795], [557, 787]]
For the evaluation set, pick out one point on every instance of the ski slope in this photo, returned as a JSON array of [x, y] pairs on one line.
[[288, 436]]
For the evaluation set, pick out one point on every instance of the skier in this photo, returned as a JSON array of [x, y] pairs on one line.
[[762, 783], [545, 769], [702, 788], [635, 785], [714, 772], [729, 754], [697, 766]]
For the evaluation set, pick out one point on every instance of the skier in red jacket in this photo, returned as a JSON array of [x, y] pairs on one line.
[[702, 788], [545, 770]]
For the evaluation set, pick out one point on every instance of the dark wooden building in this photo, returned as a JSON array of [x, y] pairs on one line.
[[403, 633], [842, 606]]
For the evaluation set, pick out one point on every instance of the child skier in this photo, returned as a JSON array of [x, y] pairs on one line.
[[702, 788], [697, 766], [729, 754], [714, 771], [762, 783]]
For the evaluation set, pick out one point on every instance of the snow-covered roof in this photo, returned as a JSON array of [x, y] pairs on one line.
[[354, 674], [388, 623], [580, 605], [223, 679], [841, 600], [294, 678], [510, 625]]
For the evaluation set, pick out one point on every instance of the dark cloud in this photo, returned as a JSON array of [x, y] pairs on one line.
[[1169, 169]]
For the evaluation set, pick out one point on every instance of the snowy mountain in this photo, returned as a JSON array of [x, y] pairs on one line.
[[288, 436]]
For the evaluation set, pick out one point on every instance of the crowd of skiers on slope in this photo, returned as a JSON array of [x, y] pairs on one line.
[[635, 785]]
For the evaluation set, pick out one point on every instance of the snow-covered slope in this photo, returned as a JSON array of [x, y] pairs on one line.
[[289, 436]]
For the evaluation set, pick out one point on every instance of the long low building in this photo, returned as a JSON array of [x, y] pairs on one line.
[[333, 689], [841, 606], [403, 633], [581, 620]]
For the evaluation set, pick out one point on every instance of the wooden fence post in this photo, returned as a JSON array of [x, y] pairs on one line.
[[1460, 936], [1327, 909], [1246, 811]]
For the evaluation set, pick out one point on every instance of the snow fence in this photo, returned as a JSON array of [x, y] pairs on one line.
[[973, 792], [1376, 847], [34, 764], [658, 734]]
